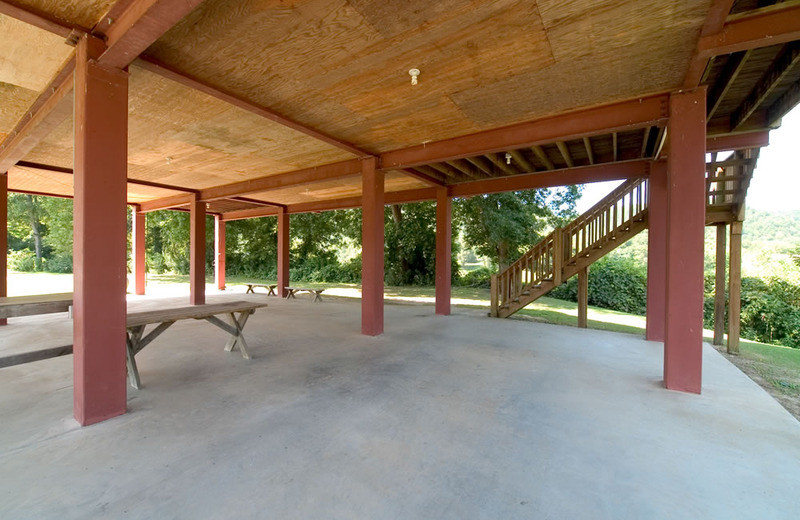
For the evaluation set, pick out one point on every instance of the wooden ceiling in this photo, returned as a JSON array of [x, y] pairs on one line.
[[263, 88]]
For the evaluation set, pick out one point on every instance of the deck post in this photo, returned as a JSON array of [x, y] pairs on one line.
[[494, 303], [583, 297], [197, 255], [735, 288], [656, 252], [686, 207], [138, 249], [444, 230], [283, 252], [372, 244], [100, 229], [3, 239], [719, 286], [219, 252]]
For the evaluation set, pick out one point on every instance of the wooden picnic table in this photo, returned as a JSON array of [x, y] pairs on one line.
[[291, 291], [269, 287], [16, 306], [237, 313]]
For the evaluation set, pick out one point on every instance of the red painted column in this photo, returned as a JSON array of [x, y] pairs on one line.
[[683, 335], [372, 243], [283, 252], [197, 255], [138, 256], [444, 230], [219, 252], [3, 239], [657, 252], [100, 230]]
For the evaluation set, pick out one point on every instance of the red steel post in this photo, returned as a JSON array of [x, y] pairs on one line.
[[219, 252], [283, 252], [100, 229], [197, 254], [372, 240], [683, 337], [444, 211], [656, 252], [3, 239], [138, 247]]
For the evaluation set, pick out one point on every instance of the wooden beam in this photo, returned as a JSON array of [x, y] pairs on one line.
[[661, 140], [340, 170], [153, 65], [637, 113], [715, 21], [51, 108], [500, 162], [138, 182], [166, 203], [784, 104], [735, 287], [467, 169], [257, 202], [138, 26], [424, 177], [769, 26], [39, 19], [588, 145], [614, 145], [785, 61], [720, 89], [433, 172], [540, 153], [562, 147], [579, 175], [645, 139], [721, 125], [447, 170], [481, 164], [522, 161]]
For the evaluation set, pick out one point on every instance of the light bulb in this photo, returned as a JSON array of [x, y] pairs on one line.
[[508, 158], [413, 73]]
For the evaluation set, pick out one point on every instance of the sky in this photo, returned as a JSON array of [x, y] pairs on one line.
[[776, 181]]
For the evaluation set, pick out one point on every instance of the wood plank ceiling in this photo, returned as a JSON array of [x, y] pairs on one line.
[[341, 68]]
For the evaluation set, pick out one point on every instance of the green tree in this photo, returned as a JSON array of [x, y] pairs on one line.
[[502, 226]]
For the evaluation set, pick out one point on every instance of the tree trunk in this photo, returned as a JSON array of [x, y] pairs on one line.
[[397, 218], [502, 256], [36, 232]]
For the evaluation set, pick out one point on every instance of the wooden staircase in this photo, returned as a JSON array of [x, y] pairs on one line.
[[566, 251]]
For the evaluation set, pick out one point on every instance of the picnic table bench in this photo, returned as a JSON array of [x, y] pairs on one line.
[[16, 306], [291, 291], [237, 312], [268, 287]]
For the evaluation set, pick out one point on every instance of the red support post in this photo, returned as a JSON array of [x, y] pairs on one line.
[[656, 252], [197, 255], [372, 241], [100, 229], [219, 252], [3, 239], [283, 252], [138, 247], [683, 335], [444, 211]]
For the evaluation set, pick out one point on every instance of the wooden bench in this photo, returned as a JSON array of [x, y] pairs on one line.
[[238, 312], [269, 287], [291, 291], [16, 306]]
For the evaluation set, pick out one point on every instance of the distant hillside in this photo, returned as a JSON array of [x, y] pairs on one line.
[[778, 229]]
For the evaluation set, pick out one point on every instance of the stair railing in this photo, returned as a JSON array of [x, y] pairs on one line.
[[600, 224], [536, 266]]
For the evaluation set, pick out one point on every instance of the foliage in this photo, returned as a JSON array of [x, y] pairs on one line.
[[770, 310], [43, 227], [502, 226], [481, 277], [615, 282]]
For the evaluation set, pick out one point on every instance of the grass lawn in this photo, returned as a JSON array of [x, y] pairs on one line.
[[775, 368]]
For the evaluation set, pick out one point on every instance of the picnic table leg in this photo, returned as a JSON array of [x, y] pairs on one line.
[[250, 290], [133, 337], [271, 291], [238, 338], [317, 296]]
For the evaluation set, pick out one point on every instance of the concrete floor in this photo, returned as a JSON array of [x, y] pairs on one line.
[[442, 417]]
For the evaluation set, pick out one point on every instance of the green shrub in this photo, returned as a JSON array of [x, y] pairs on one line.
[[616, 283], [58, 264], [481, 277], [22, 260]]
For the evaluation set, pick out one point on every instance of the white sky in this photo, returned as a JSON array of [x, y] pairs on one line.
[[776, 181]]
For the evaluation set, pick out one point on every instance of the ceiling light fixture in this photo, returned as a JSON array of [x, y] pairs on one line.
[[413, 73], [508, 158]]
